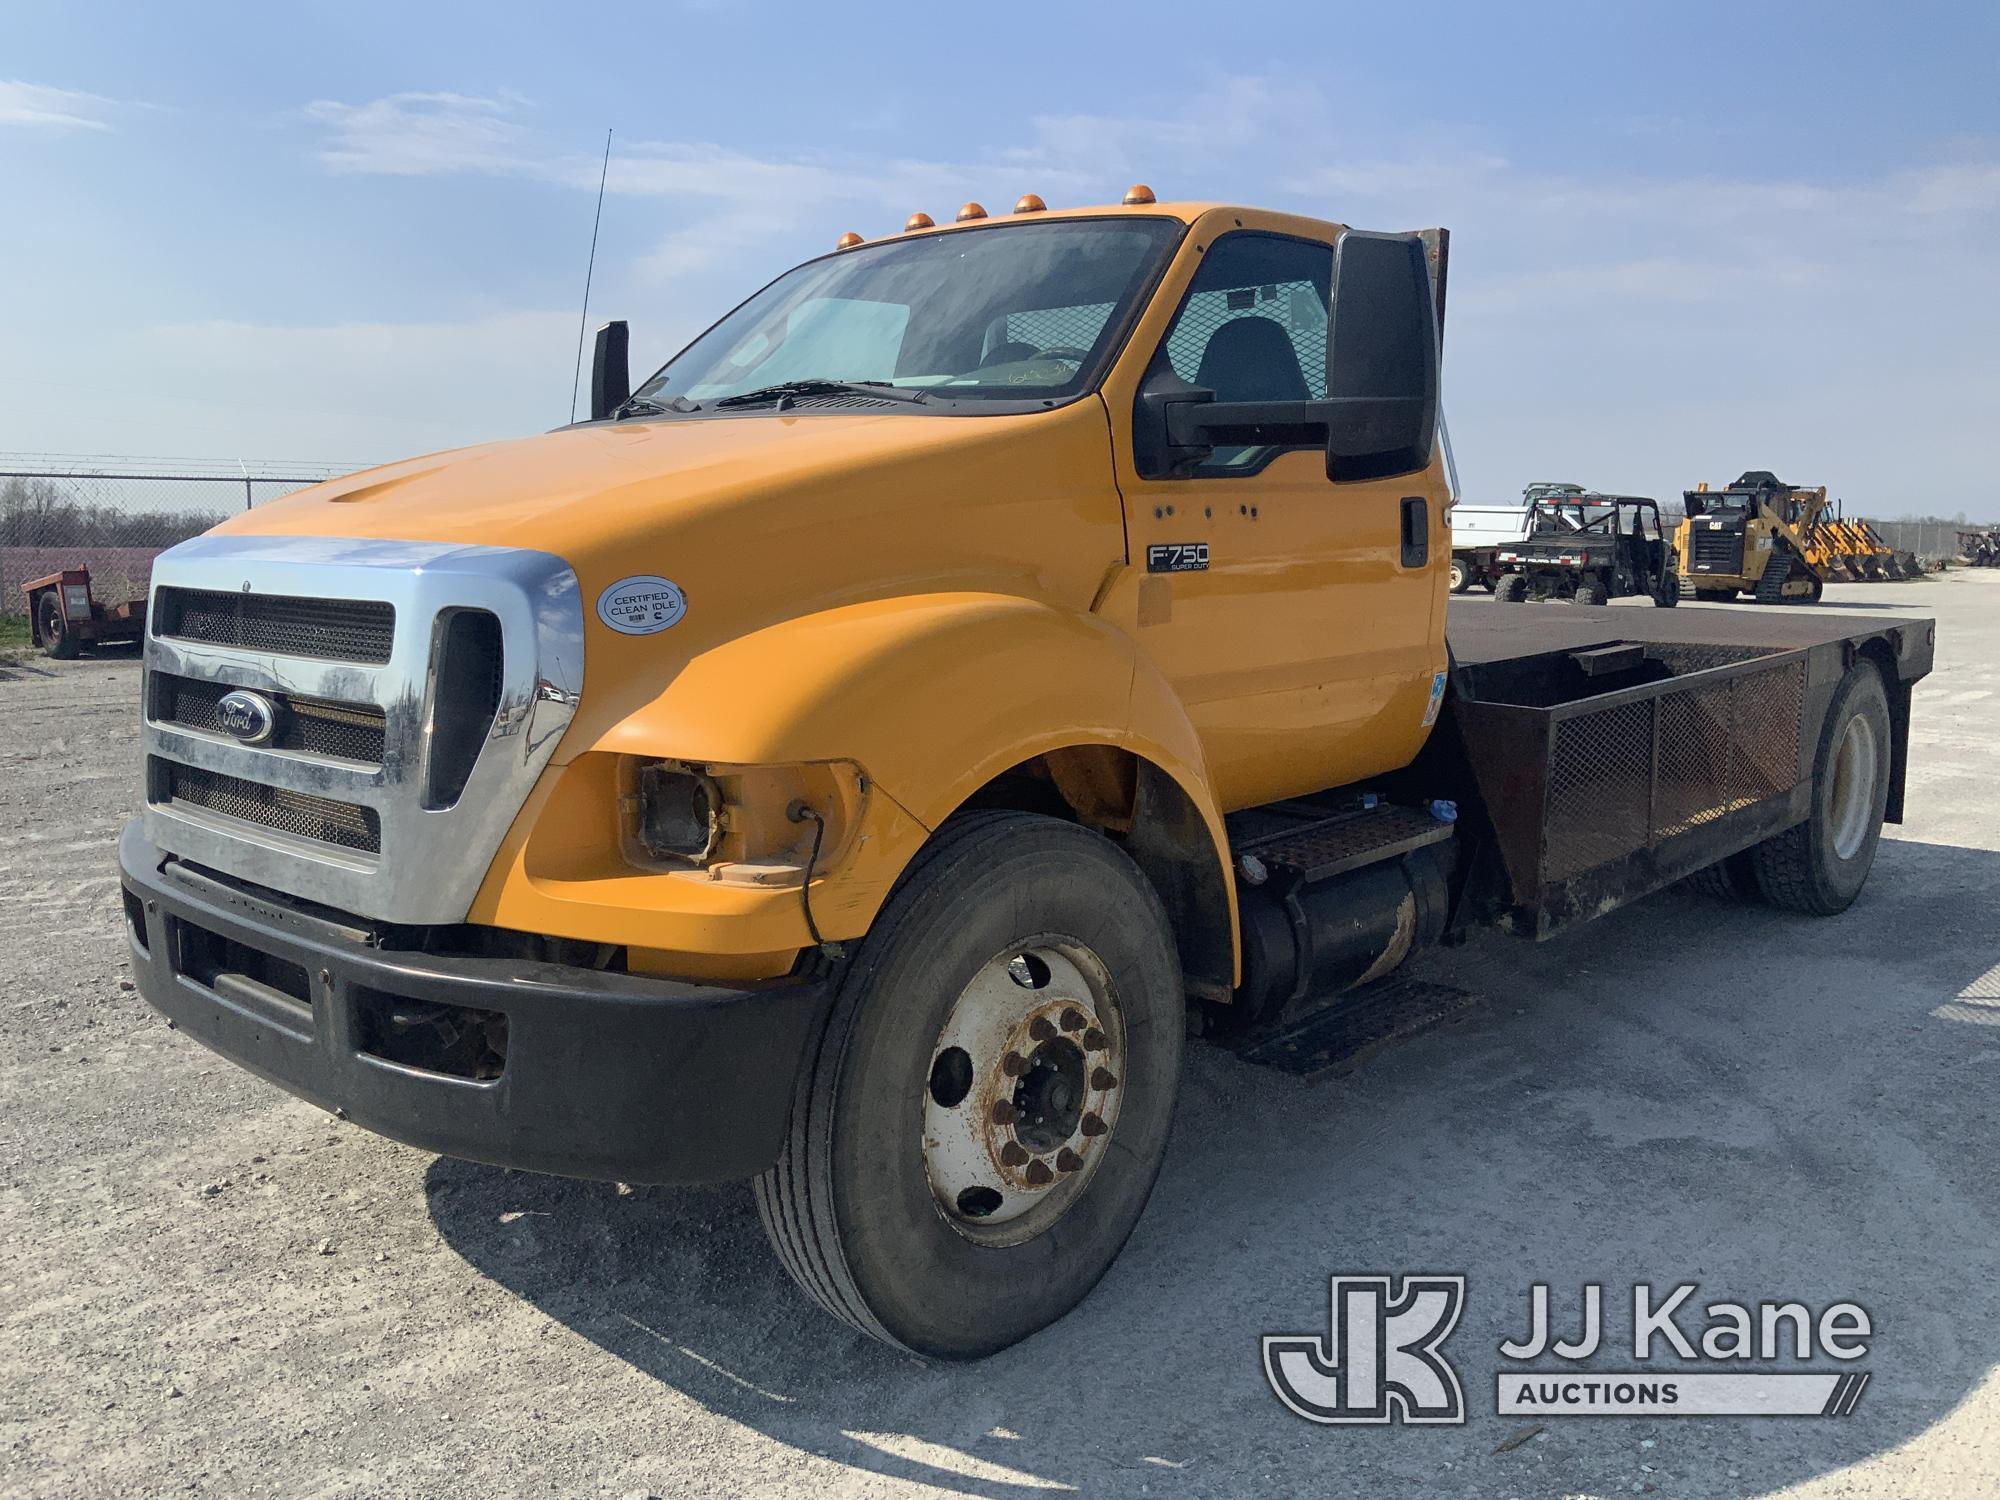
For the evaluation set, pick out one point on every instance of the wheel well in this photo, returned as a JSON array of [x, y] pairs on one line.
[[1148, 814], [1883, 655]]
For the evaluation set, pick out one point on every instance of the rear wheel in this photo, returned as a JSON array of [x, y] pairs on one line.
[[1512, 589], [984, 1117], [58, 640], [1821, 865], [1461, 576], [1669, 592], [1730, 880]]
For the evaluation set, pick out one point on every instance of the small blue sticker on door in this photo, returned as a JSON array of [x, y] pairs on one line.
[[1437, 699]]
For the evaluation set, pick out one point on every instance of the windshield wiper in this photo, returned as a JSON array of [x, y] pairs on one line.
[[787, 390], [646, 405]]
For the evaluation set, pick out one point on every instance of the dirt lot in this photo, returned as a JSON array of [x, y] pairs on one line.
[[209, 1286]]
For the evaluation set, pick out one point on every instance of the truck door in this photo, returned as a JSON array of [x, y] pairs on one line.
[[1294, 616]]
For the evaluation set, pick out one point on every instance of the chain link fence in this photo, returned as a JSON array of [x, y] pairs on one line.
[[115, 515]]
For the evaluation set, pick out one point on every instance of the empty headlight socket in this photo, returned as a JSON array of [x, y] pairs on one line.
[[738, 822]]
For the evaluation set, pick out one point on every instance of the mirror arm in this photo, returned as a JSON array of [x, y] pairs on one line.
[[1167, 438]]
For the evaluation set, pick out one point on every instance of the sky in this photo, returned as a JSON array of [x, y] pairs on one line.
[[1688, 239]]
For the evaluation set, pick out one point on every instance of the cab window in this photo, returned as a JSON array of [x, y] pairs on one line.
[[1253, 328]]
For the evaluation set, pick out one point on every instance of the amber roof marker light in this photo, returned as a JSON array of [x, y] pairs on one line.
[[1138, 192], [848, 241], [918, 221], [1030, 203], [970, 211]]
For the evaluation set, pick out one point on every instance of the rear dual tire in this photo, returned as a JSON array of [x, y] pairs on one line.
[[897, 1202]]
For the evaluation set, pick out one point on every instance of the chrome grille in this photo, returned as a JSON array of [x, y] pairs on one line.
[[309, 726], [357, 630], [421, 689], [301, 814]]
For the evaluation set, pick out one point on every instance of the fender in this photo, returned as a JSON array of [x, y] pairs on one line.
[[932, 695]]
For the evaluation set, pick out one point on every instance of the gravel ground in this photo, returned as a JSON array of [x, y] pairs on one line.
[[206, 1285]]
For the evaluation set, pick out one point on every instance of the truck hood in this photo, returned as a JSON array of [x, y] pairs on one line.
[[755, 520], [567, 491]]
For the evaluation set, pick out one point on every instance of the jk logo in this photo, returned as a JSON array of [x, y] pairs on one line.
[[1381, 1361]]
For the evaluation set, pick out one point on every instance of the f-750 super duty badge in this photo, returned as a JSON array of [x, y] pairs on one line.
[[1177, 557]]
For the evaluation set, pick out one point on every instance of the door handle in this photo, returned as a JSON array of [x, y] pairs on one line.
[[1416, 531]]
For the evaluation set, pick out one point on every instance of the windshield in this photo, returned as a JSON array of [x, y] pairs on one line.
[[1018, 311]]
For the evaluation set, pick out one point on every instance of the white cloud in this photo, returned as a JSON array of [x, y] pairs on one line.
[[417, 134], [37, 106]]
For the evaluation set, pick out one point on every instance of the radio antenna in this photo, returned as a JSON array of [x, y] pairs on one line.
[[583, 322]]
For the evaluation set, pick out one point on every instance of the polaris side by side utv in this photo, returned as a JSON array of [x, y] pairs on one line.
[[1590, 549]]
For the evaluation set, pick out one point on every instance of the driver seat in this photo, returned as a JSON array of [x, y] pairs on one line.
[[1252, 359]]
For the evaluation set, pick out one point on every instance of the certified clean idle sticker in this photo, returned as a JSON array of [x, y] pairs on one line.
[[644, 605]]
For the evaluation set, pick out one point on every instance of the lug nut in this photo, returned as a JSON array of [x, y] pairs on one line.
[[1067, 1160], [1038, 1173], [1103, 1078], [1093, 1040], [1093, 1125], [1004, 1112], [1013, 1153], [1041, 1030], [1013, 1065], [1072, 1020]]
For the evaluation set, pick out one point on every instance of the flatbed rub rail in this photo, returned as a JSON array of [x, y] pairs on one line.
[[1600, 785]]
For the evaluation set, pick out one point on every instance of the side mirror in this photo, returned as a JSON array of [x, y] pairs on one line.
[[610, 370], [1381, 358]]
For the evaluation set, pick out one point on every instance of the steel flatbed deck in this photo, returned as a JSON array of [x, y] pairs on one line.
[[1481, 630]]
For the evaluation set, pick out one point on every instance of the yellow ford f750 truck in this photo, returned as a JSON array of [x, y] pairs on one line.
[[856, 759]]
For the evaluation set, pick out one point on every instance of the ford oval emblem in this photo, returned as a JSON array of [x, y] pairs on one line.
[[251, 717]]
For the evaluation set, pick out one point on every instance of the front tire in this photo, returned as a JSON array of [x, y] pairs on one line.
[[981, 1124], [1820, 866], [1461, 577], [1589, 593]]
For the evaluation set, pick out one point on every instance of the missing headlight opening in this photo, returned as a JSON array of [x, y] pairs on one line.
[[680, 812]]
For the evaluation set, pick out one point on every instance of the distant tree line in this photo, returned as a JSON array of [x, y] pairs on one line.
[[38, 512]]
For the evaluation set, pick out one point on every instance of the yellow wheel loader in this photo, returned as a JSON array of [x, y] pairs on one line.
[[1757, 536]]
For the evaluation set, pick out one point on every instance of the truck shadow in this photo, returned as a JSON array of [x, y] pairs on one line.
[[1774, 1107]]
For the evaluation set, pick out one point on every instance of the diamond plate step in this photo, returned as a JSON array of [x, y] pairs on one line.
[[1355, 1027], [1328, 846]]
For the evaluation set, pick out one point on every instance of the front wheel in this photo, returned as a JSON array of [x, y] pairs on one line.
[[1669, 592], [1461, 576], [1821, 865], [983, 1119], [1590, 593]]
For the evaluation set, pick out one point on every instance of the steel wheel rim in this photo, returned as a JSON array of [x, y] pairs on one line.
[[1023, 1096], [1853, 786]]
